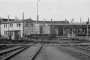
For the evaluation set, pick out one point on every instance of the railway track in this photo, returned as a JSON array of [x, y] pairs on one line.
[[36, 53], [8, 54], [2, 47]]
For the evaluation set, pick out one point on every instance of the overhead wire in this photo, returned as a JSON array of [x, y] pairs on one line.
[[45, 8], [51, 8], [48, 5]]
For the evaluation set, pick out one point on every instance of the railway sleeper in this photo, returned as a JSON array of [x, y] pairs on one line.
[[10, 50], [15, 53]]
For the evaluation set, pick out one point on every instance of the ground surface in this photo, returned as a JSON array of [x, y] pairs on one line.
[[51, 53]]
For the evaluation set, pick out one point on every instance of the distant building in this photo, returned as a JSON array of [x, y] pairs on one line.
[[15, 28], [4, 20], [12, 29], [18, 28], [55, 22]]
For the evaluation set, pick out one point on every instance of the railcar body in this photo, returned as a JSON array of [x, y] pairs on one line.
[[43, 31]]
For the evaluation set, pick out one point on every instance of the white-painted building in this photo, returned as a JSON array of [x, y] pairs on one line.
[[12, 29], [15, 29]]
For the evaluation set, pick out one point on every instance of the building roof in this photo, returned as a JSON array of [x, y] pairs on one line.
[[16, 21], [72, 24], [30, 21], [4, 19], [48, 22]]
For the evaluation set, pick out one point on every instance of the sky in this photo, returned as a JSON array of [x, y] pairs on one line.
[[56, 9]]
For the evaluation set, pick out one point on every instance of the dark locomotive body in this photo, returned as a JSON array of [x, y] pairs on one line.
[[41, 31]]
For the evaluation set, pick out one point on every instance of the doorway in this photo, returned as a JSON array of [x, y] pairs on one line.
[[60, 31]]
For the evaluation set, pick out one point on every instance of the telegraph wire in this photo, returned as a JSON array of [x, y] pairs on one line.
[[48, 5], [51, 8]]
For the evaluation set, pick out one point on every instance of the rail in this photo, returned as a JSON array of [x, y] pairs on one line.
[[36, 53], [8, 54]]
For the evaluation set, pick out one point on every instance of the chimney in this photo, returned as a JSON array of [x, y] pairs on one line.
[[88, 19], [72, 20], [51, 22], [44, 22], [83, 21], [65, 19], [16, 18], [80, 20], [8, 17]]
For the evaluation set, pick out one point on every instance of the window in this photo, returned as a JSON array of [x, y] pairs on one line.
[[11, 25], [18, 24], [5, 25]]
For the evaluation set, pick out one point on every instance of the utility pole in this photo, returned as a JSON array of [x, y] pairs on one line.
[[23, 23], [80, 24], [80, 20], [19, 31], [51, 22], [87, 29], [8, 29], [37, 11], [8, 24], [0, 25]]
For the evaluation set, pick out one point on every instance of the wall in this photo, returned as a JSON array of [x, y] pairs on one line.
[[8, 28]]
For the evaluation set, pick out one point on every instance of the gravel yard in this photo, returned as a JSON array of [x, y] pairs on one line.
[[51, 53]]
